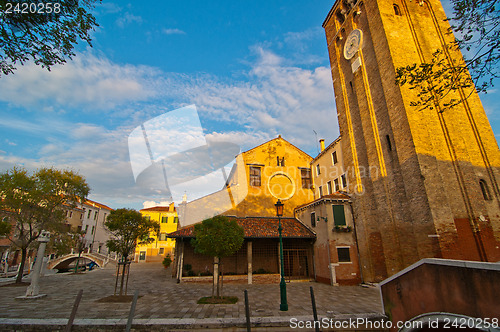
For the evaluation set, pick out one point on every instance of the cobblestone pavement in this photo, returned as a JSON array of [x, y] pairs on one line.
[[162, 297]]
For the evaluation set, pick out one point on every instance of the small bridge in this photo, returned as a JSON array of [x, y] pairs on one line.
[[64, 261]]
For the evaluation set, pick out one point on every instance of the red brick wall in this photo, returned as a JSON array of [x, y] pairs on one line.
[[442, 288], [490, 244], [238, 279]]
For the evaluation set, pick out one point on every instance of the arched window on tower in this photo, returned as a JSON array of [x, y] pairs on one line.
[[340, 17], [397, 11], [485, 190]]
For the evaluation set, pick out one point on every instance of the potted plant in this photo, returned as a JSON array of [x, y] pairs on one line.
[[167, 261], [345, 229]]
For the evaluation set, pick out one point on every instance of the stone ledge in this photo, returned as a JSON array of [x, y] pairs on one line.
[[164, 324]]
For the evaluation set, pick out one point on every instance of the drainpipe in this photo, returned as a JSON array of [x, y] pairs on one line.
[[357, 246], [95, 230], [330, 267]]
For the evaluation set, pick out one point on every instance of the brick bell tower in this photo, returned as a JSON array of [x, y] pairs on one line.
[[425, 182]]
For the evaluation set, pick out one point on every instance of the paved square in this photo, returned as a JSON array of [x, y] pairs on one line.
[[161, 297]]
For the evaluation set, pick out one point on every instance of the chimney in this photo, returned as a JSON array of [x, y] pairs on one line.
[[171, 207], [322, 144]]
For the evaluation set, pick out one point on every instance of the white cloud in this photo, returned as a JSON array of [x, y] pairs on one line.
[[127, 19], [299, 40], [148, 204], [87, 80], [274, 97], [173, 31]]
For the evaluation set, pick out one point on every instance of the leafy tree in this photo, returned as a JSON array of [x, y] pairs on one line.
[[476, 23], [47, 38], [217, 237], [128, 228], [37, 202], [61, 243]]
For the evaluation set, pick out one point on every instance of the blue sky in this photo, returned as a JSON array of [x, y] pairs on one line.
[[254, 69]]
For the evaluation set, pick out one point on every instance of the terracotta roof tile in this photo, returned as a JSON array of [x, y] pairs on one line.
[[96, 204], [334, 196], [158, 208], [259, 227]]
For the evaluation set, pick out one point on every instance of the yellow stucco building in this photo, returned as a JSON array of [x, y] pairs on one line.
[[155, 251]]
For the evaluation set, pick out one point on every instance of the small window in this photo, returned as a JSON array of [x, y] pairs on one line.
[[318, 169], [280, 161], [340, 17], [86, 228], [337, 187], [255, 176], [164, 220], [163, 236], [338, 215], [95, 215], [313, 219], [305, 175], [334, 157], [176, 220], [92, 232], [344, 254], [389, 145], [344, 180], [148, 218], [162, 251], [329, 185], [142, 255], [88, 216], [320, 188], [485, 190], [71, 214], [397, 11]]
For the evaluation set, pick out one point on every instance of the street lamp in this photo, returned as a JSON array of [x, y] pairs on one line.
[[279, 213]]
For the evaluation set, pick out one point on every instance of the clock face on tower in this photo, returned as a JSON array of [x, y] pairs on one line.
[[353, 43]]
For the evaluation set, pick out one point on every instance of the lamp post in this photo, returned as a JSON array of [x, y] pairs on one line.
[[279, 213]]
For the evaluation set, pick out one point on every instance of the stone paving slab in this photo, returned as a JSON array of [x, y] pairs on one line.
[[162, 298], [212, 324]]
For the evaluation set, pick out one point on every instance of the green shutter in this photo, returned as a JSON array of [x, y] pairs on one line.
[[338, 215]]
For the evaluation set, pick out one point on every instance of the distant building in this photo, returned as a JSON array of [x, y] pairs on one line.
[[335, 249], [155, 251], [328, 170], [95, 234], [273, 170], [74, 219], [330, 218]]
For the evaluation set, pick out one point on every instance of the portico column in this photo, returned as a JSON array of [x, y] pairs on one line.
[[249, 260]]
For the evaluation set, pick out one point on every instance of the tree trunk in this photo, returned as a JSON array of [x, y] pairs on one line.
[[123, 279], [19, 278], [124, 261], [216, 275], [221, 279]]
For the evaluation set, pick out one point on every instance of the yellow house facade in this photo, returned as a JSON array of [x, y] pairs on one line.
[[275, 170], [155, 251]]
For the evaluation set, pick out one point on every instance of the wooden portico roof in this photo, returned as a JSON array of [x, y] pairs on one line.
[[259, 228]]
